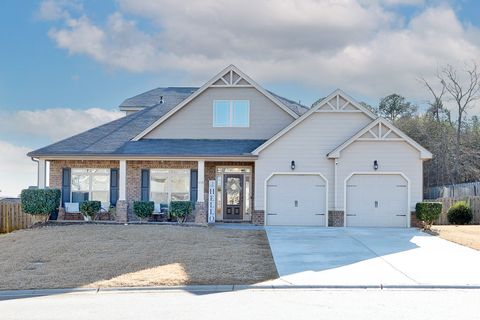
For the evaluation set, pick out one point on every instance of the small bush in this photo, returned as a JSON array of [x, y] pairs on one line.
[[143, 209], [181, 210], [428, 212], [460, 213], [40, 201], [90, 208]]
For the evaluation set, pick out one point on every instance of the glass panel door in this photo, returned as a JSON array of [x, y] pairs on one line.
[[233, 196]]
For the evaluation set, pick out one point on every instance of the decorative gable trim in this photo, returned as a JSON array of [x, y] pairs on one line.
[[337, 101], [229, 77], [380, 130], [232, 79]]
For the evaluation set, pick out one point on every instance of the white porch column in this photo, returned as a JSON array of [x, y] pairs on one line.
[[122, 181], [201, 177], [42, 173]]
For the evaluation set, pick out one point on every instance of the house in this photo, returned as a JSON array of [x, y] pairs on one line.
[[242, 153]]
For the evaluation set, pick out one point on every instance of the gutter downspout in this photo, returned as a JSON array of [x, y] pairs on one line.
[[335, 185], [38, 170]]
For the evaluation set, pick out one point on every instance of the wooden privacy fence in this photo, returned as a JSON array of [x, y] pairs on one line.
[[474, 203], [13, 218]]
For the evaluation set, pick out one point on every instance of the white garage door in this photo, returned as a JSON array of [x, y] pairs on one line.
[[296, 200], [377, 201]]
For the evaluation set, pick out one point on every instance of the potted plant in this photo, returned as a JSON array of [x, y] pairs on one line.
[[143, 209], [181, 210], [89, 209], [40, 202]]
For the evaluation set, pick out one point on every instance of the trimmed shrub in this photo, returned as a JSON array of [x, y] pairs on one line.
[[428, 212], [90, 208], [460, 213], [143, 209], [40, 201], [181, 210]]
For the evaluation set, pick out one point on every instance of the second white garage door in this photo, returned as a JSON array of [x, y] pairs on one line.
[[377, 200], [296, 200]]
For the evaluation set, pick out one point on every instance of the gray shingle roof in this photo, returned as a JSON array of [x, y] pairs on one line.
[[171, 95], [292, 105], [113, 138], [190, 147]]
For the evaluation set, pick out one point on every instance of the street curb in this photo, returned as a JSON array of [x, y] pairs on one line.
[[222, 288]]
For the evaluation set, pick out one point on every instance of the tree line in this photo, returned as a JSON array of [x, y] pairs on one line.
[[446, 128]]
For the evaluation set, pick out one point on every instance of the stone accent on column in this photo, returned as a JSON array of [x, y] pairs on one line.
[[61, 213], [200, 212], [258, 217], [121, 211], [335, 218]]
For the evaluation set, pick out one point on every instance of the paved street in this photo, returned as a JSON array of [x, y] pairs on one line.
[[370, 256], [250, 304]]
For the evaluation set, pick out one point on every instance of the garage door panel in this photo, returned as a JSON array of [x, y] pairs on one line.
[[296, 200], [377, 201]]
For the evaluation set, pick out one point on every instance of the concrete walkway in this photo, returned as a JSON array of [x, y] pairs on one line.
[[369, 257]]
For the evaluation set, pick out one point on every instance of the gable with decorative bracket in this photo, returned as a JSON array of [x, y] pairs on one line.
[[231, 79], [338, 103], [380, 130]]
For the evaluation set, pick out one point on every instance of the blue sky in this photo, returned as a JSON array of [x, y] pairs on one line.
[[72, 61]]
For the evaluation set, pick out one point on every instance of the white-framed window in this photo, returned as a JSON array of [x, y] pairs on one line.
[[231, 113], [169, 185], [90, 184]]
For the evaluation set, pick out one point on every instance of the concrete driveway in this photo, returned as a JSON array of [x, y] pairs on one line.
[[370, 257]]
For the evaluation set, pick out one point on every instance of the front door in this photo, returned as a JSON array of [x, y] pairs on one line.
[[233, 196]]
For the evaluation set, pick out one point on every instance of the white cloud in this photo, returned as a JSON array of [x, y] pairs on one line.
[[17, 171], [403, 2], [57, 9], [54, 124], [364, 47]]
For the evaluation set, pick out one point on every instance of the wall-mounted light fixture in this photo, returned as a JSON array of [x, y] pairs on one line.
[[292, 165], [375, 164]]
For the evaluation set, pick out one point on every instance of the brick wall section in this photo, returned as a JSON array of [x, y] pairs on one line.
[[56, 167], [134, 171], [258, 217], [201, 212], [335, 218], [121, 211]]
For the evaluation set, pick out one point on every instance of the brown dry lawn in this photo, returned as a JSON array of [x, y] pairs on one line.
[[132, 255], [465, 235]]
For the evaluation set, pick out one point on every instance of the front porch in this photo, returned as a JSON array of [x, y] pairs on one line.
[[118, 183]]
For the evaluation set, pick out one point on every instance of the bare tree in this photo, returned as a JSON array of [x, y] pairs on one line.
[[463, 93], [436, 105]]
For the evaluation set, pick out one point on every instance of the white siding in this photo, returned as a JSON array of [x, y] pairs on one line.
[[392, 156], [308, 144], [195, 120]]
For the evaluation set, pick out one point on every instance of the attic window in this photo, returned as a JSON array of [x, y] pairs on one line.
[[231, 113]]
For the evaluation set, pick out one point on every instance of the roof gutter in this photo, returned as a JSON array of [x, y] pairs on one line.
[[145, 157]]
